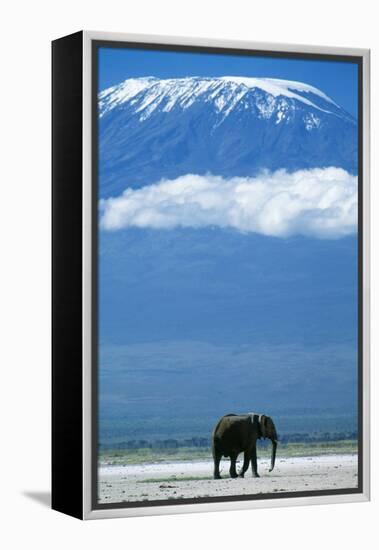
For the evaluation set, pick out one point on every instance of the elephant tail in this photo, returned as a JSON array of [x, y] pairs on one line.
[[218, 448], [215, 431]]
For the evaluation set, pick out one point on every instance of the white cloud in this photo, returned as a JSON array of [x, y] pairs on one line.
[[321, 202]]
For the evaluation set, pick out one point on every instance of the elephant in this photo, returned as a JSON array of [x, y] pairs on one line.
[[234, 434]]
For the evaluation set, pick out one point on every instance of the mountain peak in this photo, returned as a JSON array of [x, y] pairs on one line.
[[229, 126], [277, 86], [224, 92]]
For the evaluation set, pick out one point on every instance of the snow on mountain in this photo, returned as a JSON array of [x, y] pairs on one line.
[[111, 97], [276, 86], [152, 128], [149, 93]]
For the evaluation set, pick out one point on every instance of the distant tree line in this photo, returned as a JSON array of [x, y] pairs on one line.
[[205, 441]]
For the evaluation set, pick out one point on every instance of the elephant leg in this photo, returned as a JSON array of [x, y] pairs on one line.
[[254, 461], [216, 460], [232, 470], [246, 461]]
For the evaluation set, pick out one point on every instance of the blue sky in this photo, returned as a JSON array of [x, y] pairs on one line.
[[339, 80]]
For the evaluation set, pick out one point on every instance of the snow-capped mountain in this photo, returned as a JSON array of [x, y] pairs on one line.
[[151, 129]]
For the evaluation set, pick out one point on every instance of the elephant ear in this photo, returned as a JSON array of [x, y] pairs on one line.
[[262, 424]]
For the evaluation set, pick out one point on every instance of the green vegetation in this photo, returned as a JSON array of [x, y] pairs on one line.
[[285, 450], [316, 449], [148, 454]]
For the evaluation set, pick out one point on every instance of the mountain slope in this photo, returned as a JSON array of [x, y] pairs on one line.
[[231, 126]]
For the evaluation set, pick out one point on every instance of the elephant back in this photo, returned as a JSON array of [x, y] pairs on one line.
[[216, 428]]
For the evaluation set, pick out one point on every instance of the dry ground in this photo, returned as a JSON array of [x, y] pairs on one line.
[[173, 480]]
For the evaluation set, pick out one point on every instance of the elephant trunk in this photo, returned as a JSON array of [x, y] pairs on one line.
[[273, 454]]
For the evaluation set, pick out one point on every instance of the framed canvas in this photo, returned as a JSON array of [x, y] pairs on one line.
[[210, 275]]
